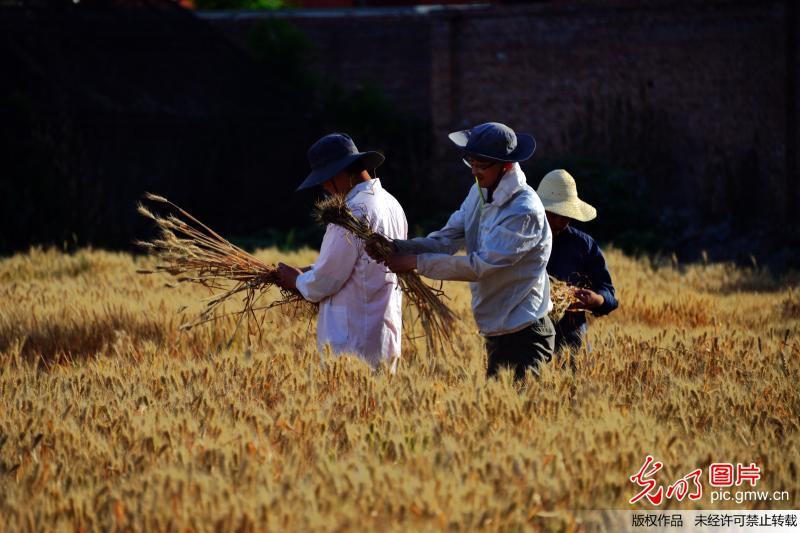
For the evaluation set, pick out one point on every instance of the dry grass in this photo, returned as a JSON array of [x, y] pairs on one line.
[[112, 418]]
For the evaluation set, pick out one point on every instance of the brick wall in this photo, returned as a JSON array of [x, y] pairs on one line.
[[698, 98], [700, 87], [387, 48]]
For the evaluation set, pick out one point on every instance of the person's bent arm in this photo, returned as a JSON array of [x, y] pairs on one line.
[[337, 258], [601, 281]]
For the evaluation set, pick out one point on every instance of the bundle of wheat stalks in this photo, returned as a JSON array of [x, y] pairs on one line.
[[193, 252], [562, 295], [436, 318]]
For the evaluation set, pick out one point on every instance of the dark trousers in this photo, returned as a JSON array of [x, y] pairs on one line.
[[522, 349]]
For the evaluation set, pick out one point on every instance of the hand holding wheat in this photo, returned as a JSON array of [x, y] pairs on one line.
[[193, 252], [436, 318], [379, 247]]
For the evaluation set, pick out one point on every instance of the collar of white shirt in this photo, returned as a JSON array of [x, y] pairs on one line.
[[510, 183], [371, 187]]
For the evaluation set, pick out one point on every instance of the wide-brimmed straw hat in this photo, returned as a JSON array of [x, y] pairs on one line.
[[334, 153], [559, 195], [494, 141]]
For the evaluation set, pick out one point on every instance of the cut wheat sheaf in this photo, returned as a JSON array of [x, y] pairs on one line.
[[562, 294], [435, 316], [192, 252]]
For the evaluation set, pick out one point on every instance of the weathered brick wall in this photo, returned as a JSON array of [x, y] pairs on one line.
[[699, 86], [699, 98], [392, 52], [389, 49]]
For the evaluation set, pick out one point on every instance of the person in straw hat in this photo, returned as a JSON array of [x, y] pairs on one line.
[[360, 308], [575, 258], [502, 224]]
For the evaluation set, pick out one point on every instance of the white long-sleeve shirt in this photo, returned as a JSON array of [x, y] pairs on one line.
[[508, 243], [360, 301]]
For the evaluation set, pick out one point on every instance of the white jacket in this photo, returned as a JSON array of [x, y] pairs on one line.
[[360, 301], [508, 245]]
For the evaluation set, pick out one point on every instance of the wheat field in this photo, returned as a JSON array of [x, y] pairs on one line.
[[111, 418]]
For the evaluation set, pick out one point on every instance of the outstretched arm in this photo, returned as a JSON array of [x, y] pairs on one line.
[[447, 240], [503, 247]]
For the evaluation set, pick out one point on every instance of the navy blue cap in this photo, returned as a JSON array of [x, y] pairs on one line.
[[332, 154], [496, 142]]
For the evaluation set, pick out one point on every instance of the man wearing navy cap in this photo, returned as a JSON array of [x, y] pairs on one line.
[[502, 224], [360, 302]]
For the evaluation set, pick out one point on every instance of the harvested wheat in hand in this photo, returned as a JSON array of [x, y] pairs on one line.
[[193, 252], [563, 296], [434, 315]]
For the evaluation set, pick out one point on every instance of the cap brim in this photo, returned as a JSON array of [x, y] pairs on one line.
[[372, 160], [318, 176], [459, 138], [526, 146]]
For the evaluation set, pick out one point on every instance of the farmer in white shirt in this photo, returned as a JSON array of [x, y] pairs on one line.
[[360, 302], [502, 224]]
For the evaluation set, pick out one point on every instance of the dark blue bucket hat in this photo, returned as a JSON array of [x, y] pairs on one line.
[[496, 142], [332, 154]]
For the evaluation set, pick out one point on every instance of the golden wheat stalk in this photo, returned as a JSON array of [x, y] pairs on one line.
[[435, 317], [192, 252], [563, 296]]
